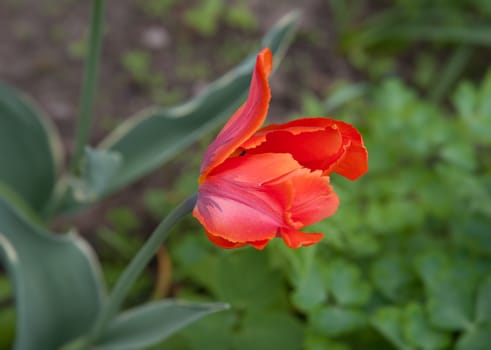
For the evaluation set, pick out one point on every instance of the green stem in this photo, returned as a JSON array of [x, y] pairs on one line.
[[134, 269], [89, 82]]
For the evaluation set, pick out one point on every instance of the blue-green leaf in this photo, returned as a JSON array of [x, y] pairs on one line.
[[57, 284], [28, 149], [150, 324]]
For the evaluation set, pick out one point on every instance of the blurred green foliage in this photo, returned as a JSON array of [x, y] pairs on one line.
[[406, 260], [440, 37]]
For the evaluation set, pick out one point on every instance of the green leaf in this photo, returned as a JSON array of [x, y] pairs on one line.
[[216, 331], [320, 342], [99, 169], [335, 321], [57, 282], [28, 149], [7, 325], [419, 332], [150, 324], [450, 287], [345, 283], [391, 276], [483, 304], [156, 135], [310, 291], [387, 320], [267, 330], [475, 339], [245, 280]]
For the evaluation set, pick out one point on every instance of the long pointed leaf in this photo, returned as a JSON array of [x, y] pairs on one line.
[[150, 324], [58, 290]]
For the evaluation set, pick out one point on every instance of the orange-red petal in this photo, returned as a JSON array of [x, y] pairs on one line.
[[237, 203], [222, 242], [297, 239], [316, 143], [313, 199], [246, 120], [354, 162]]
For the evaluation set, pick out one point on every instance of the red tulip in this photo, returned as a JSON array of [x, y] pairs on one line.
[[258, 184]]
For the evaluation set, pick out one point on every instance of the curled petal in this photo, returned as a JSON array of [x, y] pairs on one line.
[[246, 120], [297, 239], [222, 242], [314, 150], [316, 143], [354, 162]]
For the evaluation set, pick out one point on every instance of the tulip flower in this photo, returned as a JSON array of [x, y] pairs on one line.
[[257, 184]]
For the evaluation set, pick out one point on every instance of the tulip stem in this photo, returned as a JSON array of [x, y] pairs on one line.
[[131, 273], [89, 82]]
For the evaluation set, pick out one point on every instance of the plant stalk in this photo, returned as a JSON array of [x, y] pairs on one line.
[[131, 273], [89, 82]]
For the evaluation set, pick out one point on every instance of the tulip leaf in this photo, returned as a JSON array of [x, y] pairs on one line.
[[56, 280], [28, 149], [98, 170], [150, 324], [157, 134]]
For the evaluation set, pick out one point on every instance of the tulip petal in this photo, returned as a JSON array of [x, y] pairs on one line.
[[222, 242], [297, 239], [242, 202], [313, 199], [246, 120], [316, 143], [314, 150], [354, 163]]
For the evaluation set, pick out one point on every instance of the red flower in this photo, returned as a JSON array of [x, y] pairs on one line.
[[256, 185]]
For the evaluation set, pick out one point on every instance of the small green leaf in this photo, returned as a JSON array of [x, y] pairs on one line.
[[450, 301], [475, 339], [387, 320], [321, 342], [267, 330], [58, 289], [310, 291], [29, 149], [150, 324], [391, 276], [420, 333], [483, 304], [216, 331], [245, 280], [345, 283], [335, 321]]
